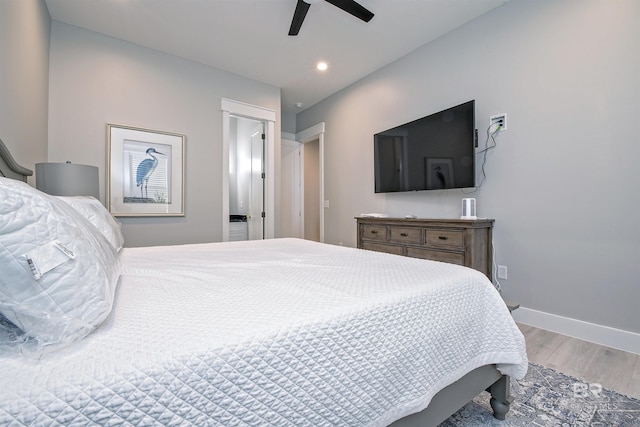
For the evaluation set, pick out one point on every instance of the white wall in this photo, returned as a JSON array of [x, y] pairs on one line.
[[24, 80], [563, 181], [95, 80]]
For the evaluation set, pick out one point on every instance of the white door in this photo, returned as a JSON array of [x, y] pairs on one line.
[[291, 211], [313, 208], [257, 209]]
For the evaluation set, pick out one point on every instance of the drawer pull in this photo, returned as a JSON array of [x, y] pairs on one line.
[[374, 231], [442, 237], [404, 234]]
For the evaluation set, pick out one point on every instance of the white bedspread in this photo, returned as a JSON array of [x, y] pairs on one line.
[[275, 332]]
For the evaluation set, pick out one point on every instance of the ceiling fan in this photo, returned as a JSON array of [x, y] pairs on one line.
[[349, 6]]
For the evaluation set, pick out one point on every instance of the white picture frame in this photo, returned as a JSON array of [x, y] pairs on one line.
[[145, 172]]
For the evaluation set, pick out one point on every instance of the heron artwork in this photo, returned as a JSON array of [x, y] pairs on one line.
[[440, 176], [145, 170]]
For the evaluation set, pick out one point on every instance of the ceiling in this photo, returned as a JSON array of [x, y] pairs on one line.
[[249, 37]]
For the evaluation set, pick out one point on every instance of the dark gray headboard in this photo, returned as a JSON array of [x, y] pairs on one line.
[[9, 168]]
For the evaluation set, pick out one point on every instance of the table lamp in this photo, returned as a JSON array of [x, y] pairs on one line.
[[67, 179]]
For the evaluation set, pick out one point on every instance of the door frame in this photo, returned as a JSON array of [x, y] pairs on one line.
[[310, 134], [230, 107]]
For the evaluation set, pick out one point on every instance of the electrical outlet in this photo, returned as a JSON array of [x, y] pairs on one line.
[[498, 119], [502, 272]]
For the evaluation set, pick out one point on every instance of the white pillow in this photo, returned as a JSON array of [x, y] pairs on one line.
[[58, 273], [98, 215]]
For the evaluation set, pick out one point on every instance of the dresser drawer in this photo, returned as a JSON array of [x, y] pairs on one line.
[[374, 232], [380, 247], [435, 255], [406, 235], [445, 238]]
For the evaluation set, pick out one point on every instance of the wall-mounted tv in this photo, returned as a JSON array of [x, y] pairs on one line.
[[436, 152]]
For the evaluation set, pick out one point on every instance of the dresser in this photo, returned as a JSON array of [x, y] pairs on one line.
[[457, 241]]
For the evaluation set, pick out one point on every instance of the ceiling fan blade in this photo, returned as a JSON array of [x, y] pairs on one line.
[[354, 8], [298, 17]]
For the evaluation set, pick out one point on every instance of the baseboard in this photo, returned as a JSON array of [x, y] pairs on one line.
[[603, 335]]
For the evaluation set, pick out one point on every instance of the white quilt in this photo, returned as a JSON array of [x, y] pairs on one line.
[[280, 332]]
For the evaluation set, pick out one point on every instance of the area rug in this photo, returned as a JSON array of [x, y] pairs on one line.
[[547, 398]]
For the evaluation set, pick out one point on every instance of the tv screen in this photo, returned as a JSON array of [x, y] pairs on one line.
[[436, 152]]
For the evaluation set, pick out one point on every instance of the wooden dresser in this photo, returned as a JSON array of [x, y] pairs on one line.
[[457, 241]]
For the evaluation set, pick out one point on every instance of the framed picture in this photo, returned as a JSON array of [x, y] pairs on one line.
[[439, 173], [145, 172]]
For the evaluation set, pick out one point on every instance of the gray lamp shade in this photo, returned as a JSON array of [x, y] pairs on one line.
[[67, 179]]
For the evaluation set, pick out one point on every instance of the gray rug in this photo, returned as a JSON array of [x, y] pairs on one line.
[[548, 398]]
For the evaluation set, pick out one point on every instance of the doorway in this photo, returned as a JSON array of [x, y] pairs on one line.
[[235, 115], [313, 135], [302, 197], [246, 179]]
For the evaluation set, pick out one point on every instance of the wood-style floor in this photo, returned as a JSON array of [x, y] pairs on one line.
[[592, 363]]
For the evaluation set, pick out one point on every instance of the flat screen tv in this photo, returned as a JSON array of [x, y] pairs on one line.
[[436, 152]]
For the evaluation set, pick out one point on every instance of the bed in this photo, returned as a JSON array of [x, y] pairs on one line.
[[270, 332]]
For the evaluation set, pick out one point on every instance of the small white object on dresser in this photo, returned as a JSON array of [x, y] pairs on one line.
[[469, 209]]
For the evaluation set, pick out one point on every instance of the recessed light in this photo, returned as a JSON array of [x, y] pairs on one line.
[[322, 66]]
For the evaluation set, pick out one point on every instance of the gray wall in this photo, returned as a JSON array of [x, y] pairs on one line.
[[562, 183], [95, 80], [288, 122], [24, 79]]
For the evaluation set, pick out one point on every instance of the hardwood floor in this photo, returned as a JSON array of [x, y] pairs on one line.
[[592, 363]]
